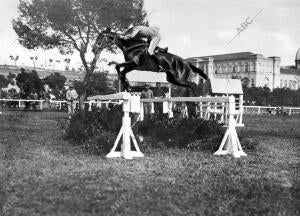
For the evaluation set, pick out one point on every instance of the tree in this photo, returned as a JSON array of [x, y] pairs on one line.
[[29, 83], [33, 60], [245, 81], [99, 84], [74, 25], [55, 81], [11, 78], [14, 58], [3, 83]]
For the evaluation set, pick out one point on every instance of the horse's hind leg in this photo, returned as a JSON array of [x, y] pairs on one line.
[[190, 91]]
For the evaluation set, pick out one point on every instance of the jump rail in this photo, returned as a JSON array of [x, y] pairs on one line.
[[230, 143]]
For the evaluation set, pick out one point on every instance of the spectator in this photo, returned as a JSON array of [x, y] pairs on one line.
[[148, 93], [158, 93], [71, 96]]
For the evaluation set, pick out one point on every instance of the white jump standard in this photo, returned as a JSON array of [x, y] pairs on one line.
[[230, 143], [126, 131]]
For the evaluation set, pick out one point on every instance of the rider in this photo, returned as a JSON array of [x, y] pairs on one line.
[[150, 33]]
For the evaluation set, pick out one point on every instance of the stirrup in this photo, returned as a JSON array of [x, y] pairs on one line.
[[161, 69]]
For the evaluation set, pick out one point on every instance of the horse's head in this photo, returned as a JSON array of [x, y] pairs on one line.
[[104, 38]]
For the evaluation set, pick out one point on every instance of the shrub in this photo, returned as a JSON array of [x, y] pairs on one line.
[[95, 130], [249, 143], [180, 132]]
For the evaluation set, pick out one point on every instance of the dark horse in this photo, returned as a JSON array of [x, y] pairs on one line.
[[137, 58]]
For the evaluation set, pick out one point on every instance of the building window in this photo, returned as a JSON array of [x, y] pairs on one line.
[[252, 83], [230, 69], [281, 84], [295, 85], [290, 84], [242, 68], [233, 69], [285, 83], [246, 67], [251, 66]]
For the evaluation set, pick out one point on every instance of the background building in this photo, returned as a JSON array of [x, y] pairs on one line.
[[290, 75], [253, 69]]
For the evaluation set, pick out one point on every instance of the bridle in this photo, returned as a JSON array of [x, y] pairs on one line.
[[105, 37], [97, 45]]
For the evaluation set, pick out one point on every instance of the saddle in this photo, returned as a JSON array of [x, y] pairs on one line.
[[159, 49]]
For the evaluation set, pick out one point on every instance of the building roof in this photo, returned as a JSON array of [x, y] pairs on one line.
[[292, 71], [229, 56], [224, 86], [298, 55], [140, 78]]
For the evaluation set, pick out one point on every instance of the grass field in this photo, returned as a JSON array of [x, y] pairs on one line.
[[41, 174]]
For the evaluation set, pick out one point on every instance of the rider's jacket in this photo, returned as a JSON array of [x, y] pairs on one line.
[[143, 31]]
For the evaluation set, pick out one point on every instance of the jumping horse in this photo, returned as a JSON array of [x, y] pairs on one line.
[[136, 58]]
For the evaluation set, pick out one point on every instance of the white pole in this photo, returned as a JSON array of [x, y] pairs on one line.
[[241, 109], [41, 105]]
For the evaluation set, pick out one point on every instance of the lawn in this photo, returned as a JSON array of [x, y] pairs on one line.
[[41, 174]]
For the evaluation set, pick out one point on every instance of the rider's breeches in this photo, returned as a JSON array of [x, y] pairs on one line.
[[153, 44]]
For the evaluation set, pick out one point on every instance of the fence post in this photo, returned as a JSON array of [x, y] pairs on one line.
[[258, 112], [90, 105], [41, 105], [201, 108], [215, 109], [208, 110], [142, 115], [19, 104], [241, 109], [223, 111]]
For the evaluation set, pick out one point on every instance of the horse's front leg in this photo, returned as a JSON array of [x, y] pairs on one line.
[[124, 64], [128, 66], [124, 80]]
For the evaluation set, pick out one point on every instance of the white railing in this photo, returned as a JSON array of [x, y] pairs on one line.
[[271, 110], [57, 103], [21, 102]]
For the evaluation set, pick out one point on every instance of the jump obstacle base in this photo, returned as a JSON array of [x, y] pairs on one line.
[[229, 145]]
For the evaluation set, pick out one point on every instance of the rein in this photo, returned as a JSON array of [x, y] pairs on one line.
[[134, 46], [114, 41]]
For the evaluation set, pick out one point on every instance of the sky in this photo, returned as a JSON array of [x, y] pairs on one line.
[[191, 28]]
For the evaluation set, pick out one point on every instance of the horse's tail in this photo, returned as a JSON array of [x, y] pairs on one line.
[[113, 62], [198, 70]]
